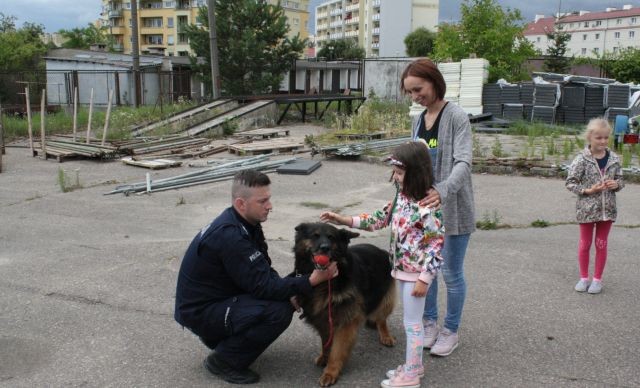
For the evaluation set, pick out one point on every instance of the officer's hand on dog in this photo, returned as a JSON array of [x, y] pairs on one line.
[[322, 275], [295, 304]]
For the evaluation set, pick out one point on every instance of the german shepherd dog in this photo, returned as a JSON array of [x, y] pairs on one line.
[[362, 291]]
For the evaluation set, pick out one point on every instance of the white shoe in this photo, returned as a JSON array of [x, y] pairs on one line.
[[431, 331], [582, 285], [446, 343], [393, 372], [595, 287]]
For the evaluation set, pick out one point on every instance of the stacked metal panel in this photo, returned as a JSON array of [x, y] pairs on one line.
[[491, 99], [526, 98], [451, 74], [571, 110], [473, 74], [545, 100], [618, 96], [594, 101], [511, 106]]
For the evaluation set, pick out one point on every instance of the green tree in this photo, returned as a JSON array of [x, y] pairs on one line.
[[254, 51], [82, 38], [343, 49], [20, 48], [420, 42], [556, 60], [624, 66], [487, 31]]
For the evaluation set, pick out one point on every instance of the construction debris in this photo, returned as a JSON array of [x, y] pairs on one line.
[[212, 174], [153, 164]]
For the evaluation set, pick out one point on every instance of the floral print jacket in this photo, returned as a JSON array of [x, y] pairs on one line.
[[584, 173], [417, 237]]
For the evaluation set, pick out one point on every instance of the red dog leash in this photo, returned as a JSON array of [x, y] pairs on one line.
[[322, 261]]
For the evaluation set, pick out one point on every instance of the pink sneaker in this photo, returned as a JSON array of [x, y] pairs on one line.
[[401, 380], [392, 372]]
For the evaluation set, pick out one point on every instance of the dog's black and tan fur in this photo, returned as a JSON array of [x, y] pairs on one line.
[[363, 291]]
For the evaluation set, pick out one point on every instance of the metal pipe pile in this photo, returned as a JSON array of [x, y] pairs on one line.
[[70, 148], [357, 149], [213, 174]]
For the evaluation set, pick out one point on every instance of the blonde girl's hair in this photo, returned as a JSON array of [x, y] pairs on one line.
[[597, 124]]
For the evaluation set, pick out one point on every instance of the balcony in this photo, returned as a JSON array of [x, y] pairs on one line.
[[118, 47], [321, 15], [337, 35], [151, 30], [375, 3], [182, 5], [351, 33], [375, 31], [336, 24], [117, 30], [336, 11], [352, 7], [375, 45], [354, 20], [375, 17], [115, 13]]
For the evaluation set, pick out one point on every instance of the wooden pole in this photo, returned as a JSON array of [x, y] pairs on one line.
[[75, 112], [29, 124], [90, 113], [42, 118], [106, 119]]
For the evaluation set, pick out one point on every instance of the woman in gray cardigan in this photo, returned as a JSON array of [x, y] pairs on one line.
[[446, 128]]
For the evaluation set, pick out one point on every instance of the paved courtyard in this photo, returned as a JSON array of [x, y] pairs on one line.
[[87, 283]]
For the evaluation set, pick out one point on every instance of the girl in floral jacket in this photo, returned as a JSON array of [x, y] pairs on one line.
[[417, 236], [595, 176]]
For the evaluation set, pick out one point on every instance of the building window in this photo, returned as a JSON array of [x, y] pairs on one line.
[[616, 35], [583, 51], [170, 22], [584, 36], [598, 23], [571, 25], [633, 20], [618, 21], [632, 34], [538, 39], [296, 21], [596, 50], [615, 49], [170, 40], [586, 24], [597, 36]]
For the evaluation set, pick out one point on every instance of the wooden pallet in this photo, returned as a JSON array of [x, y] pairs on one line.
[[266, 146], [264, 133], [361, 136]]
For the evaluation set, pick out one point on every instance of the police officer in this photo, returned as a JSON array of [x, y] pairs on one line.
[[228, 294]]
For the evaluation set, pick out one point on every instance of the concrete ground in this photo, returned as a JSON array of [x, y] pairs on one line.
[[87, 283]]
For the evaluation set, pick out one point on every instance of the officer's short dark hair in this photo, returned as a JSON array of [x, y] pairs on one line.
[[246, 179]]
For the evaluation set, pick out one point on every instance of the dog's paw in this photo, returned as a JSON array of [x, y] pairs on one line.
[[327, 379], [387, 340], [321, 360]]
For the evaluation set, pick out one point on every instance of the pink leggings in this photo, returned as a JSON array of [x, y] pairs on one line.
[[584, 246]]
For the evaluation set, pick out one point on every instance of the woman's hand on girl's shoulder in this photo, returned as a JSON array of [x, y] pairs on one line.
[[432, 199]]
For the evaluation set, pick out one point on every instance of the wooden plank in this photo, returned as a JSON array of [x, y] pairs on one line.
[[267, 146], [264, 133], [153, 164]]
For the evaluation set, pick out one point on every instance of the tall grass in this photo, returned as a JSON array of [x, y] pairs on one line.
[[122, 120]]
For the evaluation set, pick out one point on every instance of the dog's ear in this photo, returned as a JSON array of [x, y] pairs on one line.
[[347, 235]]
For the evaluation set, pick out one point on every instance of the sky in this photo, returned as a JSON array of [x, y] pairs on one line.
[[68, 14]]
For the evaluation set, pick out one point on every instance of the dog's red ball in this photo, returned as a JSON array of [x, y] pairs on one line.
[[322, 260]]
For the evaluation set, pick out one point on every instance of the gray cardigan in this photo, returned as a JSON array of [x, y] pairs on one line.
[[453, 169]]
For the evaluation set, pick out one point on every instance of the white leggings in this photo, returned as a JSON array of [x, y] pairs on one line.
[[413, 308]]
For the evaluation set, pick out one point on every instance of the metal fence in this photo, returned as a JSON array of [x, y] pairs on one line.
[[157, 87]]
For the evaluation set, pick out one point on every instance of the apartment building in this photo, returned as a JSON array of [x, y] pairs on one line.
[[161, 21], [379, 26], [592, 33], [297, 13]]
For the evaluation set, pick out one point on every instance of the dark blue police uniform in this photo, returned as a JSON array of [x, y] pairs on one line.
[[229, 295]]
